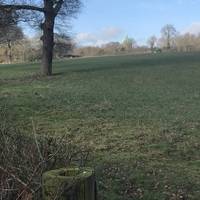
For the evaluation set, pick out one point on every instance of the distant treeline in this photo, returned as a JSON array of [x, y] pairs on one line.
[[30, 50], [15, 47]]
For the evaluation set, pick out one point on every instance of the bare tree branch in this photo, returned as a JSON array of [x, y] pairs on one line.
[[58, 7], [16, 178], [21, 7]]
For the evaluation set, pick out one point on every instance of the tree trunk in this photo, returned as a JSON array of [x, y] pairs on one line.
[[168, 41], [9, 55], [48, 38]]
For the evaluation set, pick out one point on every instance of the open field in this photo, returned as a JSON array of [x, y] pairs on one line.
[[139, 114]]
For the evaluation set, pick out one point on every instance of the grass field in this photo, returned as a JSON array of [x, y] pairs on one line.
[[139, 114]]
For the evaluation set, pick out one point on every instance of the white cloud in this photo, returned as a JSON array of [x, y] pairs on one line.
[[98, 38], [194, 28], [86, 37]]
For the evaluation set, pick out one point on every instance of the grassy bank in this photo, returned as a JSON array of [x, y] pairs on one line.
[[139, 114]]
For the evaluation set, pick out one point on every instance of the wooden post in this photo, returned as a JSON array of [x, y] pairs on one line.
[[69, 184]]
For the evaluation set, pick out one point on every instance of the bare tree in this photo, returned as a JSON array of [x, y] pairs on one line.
[[46, 13], [188, 42], [152, 42], [129, 43], [168, 33], [8, 35]]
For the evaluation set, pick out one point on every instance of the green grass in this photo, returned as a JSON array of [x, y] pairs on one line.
[[139, 114]]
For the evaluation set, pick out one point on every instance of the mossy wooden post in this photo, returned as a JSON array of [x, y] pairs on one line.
[[69, 184]]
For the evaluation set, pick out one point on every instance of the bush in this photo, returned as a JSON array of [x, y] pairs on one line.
[[25, 157]]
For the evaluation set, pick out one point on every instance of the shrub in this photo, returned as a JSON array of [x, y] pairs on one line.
[[25, 157]]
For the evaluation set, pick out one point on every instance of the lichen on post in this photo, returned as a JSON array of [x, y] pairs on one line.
[[69, 184]]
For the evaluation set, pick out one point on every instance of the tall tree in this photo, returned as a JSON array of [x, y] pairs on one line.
[[8, 35], [152, 42], [9, 31], [128, 43], [44, 12], [168, 33]]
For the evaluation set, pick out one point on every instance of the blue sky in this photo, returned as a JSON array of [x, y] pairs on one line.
[[102, 21]]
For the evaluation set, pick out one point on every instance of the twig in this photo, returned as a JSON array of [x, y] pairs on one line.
[[16, 178], [36, 141], [35, 171]]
